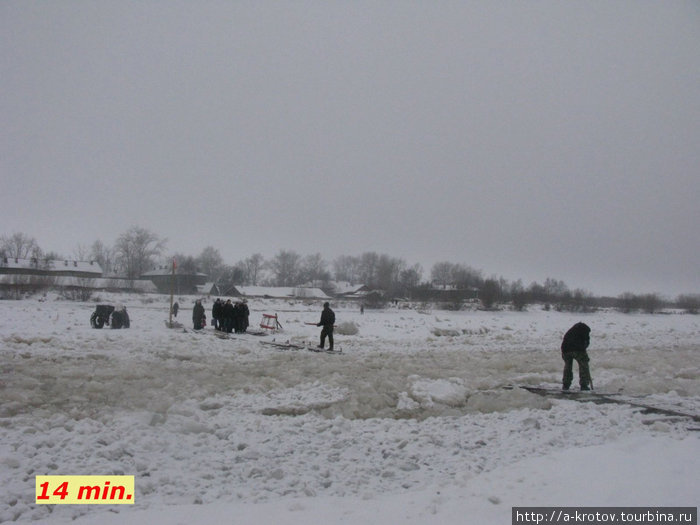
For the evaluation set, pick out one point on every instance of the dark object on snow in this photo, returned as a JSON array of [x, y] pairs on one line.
[[240, 317], [327, 321], [100, 316], [120, 318], [573, 347], [102, 313], [199, 319]]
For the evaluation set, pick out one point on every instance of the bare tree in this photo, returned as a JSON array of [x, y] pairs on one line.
[[441, 273], [651, 303], [555, 289], [346, 268], [410, 278], [464, 276], [285, 268], [103, 255], [537, 292], [231, 276], [368, 266], [211, 263], [81, 253], [388, 271], [314, 269], [50, 256], [490, 293], [519, 296], [19, 246], [136, 251], [690, 303], [628, 302], [253, 267]]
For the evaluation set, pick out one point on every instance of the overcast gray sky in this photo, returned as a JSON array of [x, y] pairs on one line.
[[526, 139]]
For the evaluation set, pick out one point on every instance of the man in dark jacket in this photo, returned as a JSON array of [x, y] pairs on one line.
[[573, 346], [327, 322], [239, 318], [227, 314], [216, 314]]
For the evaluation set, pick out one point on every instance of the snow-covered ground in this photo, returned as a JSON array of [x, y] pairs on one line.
[[414, 423]]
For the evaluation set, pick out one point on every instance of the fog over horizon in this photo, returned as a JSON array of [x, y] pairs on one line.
[[526, 140]]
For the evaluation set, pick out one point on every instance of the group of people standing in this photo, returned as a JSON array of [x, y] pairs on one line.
[[226, 316], [229, 317]]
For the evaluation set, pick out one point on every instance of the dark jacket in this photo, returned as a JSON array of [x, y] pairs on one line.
[[576, 339], [245, 314], [216, 310], [228, 312], [327, 318], [198, 316], [197, 312]]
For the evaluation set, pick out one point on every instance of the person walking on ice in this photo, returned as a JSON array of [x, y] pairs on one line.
[[327, 322], [573, 346]]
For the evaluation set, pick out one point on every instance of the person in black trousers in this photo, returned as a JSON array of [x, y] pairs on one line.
[[327, 322], [573, 347], [228, 314]]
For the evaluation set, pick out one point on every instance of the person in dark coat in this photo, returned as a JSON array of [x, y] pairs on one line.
[[198, 316], [237, 314], [176, 307], [240, 322], [327, 322], [573, 347], [216, 314], [228, 314], [245, 315]]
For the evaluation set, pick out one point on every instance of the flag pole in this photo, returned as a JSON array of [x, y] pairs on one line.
[[172, 292]]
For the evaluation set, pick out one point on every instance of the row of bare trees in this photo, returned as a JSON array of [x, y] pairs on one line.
[[139, 250], [289, 268], [134, 252]]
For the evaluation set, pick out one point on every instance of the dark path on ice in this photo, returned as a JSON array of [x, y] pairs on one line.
[[605, 398]]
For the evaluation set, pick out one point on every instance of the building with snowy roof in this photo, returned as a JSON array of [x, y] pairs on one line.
[[183, 282], [51, 267], [278, 292], [20, 276]]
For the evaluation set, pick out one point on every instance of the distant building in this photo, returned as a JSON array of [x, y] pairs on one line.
[[20, 276], [277, 292], [350, 291], [51, 267], [445, 293], [209, 288], [184, 283]]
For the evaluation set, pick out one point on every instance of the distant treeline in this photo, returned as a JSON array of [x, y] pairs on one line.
[[138, 250]]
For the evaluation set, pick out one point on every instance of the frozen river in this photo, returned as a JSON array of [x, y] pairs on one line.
[[417, 399]]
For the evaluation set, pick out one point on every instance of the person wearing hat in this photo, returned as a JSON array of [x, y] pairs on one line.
[[327, 322]]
